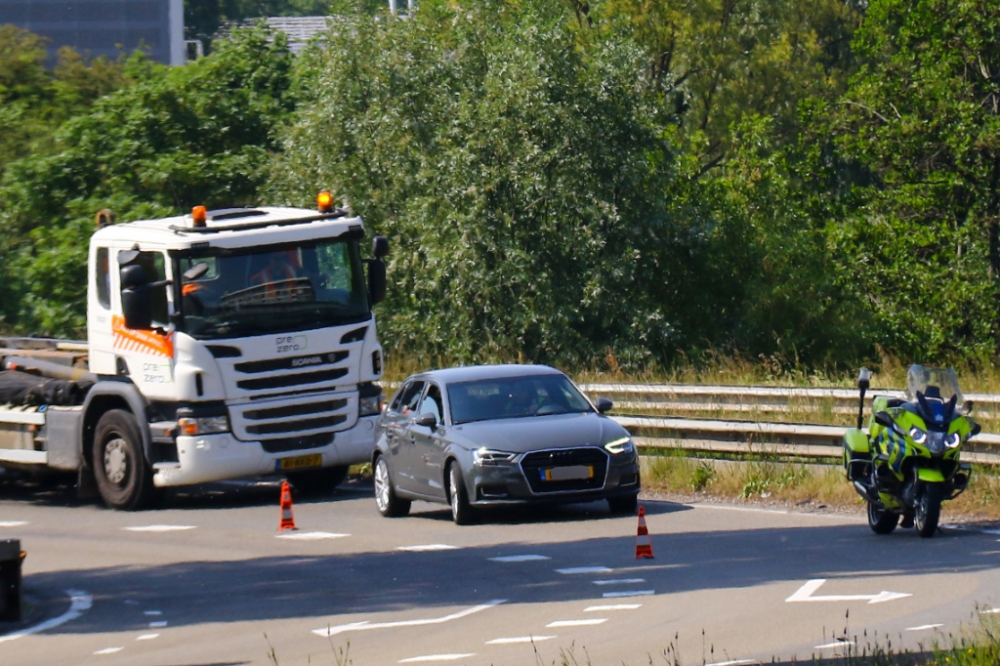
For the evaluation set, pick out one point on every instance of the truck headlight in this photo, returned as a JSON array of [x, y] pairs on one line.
[[203, 425], [619, 446], [370, 405]]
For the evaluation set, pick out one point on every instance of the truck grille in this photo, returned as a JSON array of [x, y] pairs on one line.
[[292, 417], [534, 464]]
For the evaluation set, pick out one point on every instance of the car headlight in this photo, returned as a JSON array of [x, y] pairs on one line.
[[203, 425], [918, 435], [489, 457], [619, 446], [370, 405]]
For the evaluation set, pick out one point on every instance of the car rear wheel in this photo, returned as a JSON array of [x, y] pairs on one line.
[[389, 505], [461, 511]]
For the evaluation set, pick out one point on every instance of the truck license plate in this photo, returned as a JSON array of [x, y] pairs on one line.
[[568, 473], [298, 462]]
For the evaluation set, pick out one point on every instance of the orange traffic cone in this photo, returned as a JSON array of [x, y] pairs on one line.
[[643, 549], [287, 520]]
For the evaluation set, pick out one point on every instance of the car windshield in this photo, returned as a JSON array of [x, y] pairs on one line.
[[262, 290], [514, 397]]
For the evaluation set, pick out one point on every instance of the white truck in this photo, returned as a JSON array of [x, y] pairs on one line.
[[221, 344]]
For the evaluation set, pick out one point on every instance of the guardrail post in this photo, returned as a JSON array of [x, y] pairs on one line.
[[11, 557]]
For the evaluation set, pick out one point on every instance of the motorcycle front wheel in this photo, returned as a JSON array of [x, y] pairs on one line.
[[880, 520], [929, 509]]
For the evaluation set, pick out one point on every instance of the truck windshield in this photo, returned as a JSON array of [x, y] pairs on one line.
[[269, 289]]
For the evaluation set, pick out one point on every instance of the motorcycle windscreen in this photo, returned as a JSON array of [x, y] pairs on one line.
[[939, 383]]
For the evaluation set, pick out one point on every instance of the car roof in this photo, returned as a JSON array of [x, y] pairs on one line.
[[478, 372]]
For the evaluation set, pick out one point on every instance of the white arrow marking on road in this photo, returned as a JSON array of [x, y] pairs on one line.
[[146, 637], [158, 528], [583, 570], [360, 626], [519, 639], [630, 593], [12, 523], [924, 627], [110, 650], [619, 581], [590, 609], [805, 593], [519, 558], [577, 623], [81, 602]]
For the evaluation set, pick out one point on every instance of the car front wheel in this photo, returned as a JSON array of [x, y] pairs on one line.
[[461, 511], [389, 505]]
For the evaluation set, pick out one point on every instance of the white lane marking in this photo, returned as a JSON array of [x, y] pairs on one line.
[[80, 602], [152, 612], [628, 593], [734, 662], [311, 536], [12, 523], [437, 657], [361, 626], [146, 637], [619, 581], [110, 650], [427, 548], [158, 625], [805, 593], [924, 627], [577, 623], [835, 644], [608, 607], [519, 558], [583, 570], [131, 602], [158, 528], [519, 639]]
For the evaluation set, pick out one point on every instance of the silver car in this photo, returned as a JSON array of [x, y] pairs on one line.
[[499, 434]]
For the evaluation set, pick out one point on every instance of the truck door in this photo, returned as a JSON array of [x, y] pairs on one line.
[[148, 356], [429, 444]]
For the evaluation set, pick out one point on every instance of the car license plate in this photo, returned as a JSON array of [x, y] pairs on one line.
[[298, 462], [568, 473]]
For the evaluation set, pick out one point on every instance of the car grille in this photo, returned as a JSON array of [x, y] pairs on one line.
[[535, 463]]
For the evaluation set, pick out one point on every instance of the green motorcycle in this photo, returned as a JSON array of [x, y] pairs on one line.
[[908, 462]]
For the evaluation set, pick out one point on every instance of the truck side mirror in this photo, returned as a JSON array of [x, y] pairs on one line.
[[883, 419], [137, 301], [376, 281], [380, 246]]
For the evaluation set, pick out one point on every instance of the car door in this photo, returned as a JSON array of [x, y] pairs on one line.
[[404, 463], [430, 442]]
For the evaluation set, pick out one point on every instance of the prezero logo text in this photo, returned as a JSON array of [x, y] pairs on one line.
[[291, 343]]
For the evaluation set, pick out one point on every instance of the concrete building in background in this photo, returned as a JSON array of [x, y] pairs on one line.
[[99, 27]]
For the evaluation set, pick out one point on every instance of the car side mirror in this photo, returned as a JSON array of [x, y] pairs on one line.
[[603, 405], [883, 419], [428, 420]]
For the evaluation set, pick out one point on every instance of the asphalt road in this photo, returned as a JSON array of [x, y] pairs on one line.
[[208, 580]]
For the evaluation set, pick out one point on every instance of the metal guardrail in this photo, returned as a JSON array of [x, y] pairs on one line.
[[743, 437]]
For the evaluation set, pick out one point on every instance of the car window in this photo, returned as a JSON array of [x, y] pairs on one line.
[[432, 403], [408, 397], [514, 397]]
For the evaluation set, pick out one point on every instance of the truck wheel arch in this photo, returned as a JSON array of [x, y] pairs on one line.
[[103, 397]]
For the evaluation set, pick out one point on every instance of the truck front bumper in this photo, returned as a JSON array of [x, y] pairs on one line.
[[205, 458]]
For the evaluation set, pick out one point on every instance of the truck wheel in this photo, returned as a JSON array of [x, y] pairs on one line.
[[929, 509], [123, 476], [318, 481]]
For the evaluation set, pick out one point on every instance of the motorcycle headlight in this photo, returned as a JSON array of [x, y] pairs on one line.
[[918, 435], [953, 440], [491, 458], [619, 446]]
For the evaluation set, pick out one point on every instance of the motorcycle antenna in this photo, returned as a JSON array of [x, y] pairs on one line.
[[864, 380]]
